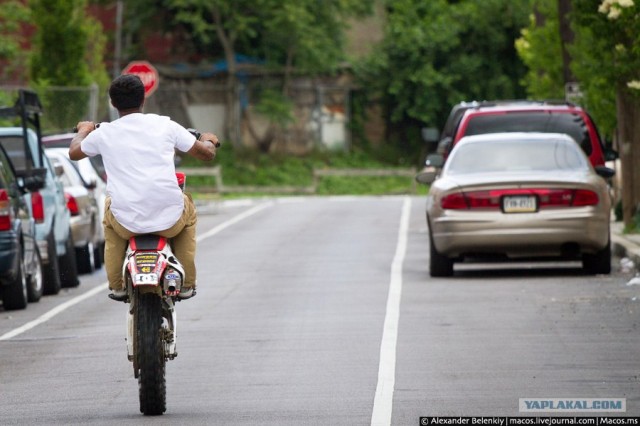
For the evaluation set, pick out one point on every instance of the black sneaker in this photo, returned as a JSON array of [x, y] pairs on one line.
[[120, 295]]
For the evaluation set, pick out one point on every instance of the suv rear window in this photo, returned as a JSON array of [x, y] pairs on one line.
[[14, 146], [532, 121]]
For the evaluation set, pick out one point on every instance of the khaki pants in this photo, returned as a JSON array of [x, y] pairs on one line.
[[183, 243]]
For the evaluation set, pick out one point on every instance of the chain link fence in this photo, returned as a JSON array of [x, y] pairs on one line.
[[318, 112], [62, 107]]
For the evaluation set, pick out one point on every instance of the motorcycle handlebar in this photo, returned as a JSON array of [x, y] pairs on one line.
[[75, 129], [194, 132], [197, 134]]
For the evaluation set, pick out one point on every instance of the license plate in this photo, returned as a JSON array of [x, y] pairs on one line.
[[519, 204], [145, 279]]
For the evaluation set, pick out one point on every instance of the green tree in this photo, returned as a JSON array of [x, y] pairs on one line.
[[608, 46], [440, 52], [13, 14], [539, 47], [304, 36], [68, 49]]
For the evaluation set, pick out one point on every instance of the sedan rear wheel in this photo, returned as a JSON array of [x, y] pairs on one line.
[[35, 280], [51, 269], [598, 262], [15, 291], [439, 264], [68, 265], [85, 256]]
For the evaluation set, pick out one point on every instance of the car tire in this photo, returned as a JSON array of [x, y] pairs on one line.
[[98, 255], [68, 265], [15, 294], [85, 257], [35, 279], [439, 264], [598, 262], [51, 271]]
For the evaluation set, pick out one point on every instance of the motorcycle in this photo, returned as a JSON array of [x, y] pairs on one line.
[[153, 277]]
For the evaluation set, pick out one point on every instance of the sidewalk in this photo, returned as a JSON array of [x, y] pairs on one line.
[[625, 245]]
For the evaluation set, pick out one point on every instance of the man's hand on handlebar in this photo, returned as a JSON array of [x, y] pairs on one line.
[[205, 147], [211, 138], [85, 127]]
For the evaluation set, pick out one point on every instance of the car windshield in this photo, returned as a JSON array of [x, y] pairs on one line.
[[532, 121], [516, 156]]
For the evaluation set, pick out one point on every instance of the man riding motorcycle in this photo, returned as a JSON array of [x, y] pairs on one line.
[[143, 193]]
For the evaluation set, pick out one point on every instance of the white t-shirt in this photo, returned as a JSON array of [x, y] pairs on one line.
[[138, 150]]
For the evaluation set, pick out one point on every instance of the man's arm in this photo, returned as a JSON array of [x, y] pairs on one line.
[[205, 147], [84, 128]]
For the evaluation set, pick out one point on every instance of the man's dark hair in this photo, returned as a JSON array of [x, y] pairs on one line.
[[126, 92]]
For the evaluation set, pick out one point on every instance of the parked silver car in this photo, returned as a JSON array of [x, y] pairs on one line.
[[518, 195], [83, 202]]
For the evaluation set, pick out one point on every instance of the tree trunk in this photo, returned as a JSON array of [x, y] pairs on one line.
[[628, 113], [566, 38], [227, 40]]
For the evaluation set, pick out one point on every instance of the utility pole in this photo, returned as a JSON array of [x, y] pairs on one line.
[[566, 39], [117, 54]]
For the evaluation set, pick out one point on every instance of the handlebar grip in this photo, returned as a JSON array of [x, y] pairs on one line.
[[75, 129], [197, 134]]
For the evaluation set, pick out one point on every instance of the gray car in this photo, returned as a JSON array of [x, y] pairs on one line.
[[515, 195]]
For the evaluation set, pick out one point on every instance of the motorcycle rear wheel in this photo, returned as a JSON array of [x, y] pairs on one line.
[[150, 355]]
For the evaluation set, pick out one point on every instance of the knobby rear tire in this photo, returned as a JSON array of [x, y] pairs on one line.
[[150, 353]]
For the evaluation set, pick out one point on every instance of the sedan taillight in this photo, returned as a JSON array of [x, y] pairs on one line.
[[37, 207], [5, 211], [72, 204], [492, 199]]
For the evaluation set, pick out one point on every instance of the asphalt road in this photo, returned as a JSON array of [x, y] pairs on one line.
[[320, 311]]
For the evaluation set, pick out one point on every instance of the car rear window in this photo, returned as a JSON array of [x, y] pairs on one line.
[[516, 156], [532, 121], [14, 147]]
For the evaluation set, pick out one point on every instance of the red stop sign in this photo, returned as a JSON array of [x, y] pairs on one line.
[[147, 73]]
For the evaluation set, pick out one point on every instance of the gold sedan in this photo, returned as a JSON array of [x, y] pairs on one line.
[[517, 195]]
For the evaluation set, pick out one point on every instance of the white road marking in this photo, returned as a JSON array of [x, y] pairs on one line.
[[383, 402], [53, 312], [233, 221], [66, 305]]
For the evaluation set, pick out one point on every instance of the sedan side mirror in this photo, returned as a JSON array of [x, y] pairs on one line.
[[605, 172], [434, 160], [427, 175]]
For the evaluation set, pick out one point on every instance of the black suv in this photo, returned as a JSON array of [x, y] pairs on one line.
[[20, 263]]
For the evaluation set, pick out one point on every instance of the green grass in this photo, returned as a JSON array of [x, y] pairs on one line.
[[251, 168]]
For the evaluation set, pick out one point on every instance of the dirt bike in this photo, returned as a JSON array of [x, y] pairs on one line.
[[153, 276]]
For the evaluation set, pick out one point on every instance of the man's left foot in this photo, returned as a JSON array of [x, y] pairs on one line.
[[120, 295]]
